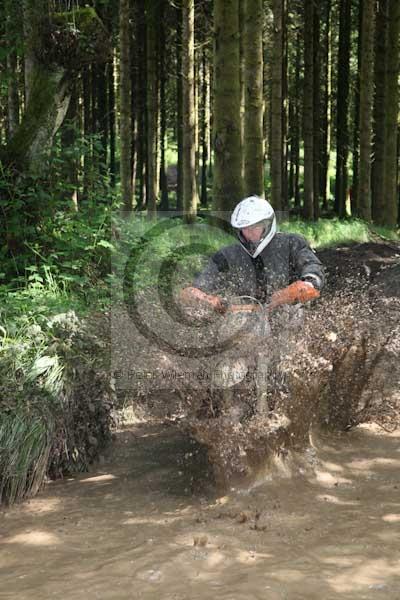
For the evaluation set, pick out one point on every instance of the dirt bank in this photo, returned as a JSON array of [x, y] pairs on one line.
[[328, 527]]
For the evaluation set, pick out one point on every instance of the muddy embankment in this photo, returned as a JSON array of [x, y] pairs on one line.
[[333, 365]]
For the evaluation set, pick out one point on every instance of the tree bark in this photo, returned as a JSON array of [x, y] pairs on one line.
[[378, 164], [296, 132], [356, 142], [36, 16], [308, 110], [276, 138], [141, 103], [342, 107], [196, 95], [102, 99], [326, 110], [48, 105], [152, 20], [111, 121], [205, 133], [228, 183], [242, 70], [267, 87], [317, 110], [134, 109], [253, 124], [392, 112], [70, 159], [366, 99], [87, 130], [285, 124], [125, 105], [164, 204], [189, 148], [47, 94], [13, 106], [179, 107]]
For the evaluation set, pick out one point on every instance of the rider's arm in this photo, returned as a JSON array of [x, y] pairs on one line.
[[306, 263], [206, 284], [306, 270], [192, 295]]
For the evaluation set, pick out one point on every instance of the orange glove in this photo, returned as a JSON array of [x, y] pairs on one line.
[[299, 291], [190, 294]]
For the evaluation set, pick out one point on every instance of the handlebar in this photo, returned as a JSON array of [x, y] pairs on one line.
[[244, 308]]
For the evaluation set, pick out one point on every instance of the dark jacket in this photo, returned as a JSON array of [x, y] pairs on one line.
[[233, 272]]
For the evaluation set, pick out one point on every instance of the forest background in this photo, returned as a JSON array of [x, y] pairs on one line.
[[168, 106]]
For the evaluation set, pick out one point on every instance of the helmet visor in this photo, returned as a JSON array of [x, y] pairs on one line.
[[266, 224], [252, 244]]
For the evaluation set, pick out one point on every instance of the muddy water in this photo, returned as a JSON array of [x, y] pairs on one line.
[[132, 528]]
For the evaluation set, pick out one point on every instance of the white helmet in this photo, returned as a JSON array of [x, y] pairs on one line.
[[250, 211]]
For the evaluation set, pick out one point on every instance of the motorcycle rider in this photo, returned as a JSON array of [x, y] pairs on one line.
[[272, 267]]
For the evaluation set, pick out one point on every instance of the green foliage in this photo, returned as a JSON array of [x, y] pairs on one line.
[[55, 399], [46, 245], [24, 451], [145, 247], [75, 38], [332, 232], [55, 395]]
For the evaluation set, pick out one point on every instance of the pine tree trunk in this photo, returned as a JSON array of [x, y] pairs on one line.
[[392, 112], [189, 148], [13, 95], [292, 159], [366, 99], [152, 20], [276, 137], [326, 110], [205, 118], [308, 110], [93, 101], [316, 110], [111, 121], [267, 92], [356, 142], [228, 183], [197, 117], [179, 108], [141, 160], [378, 164], [70, 161], [49, 81], [210, 111], [13, 108], [164, 204], [35, 16], [285, 135], [87, 130], [296, 133], [47, 93], [134, 110], [125, 105], [342, 107], [253, 125], [242, 69], [103, 114], [141, 103]]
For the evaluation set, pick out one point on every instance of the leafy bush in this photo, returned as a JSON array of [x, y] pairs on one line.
[[56, 400]]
